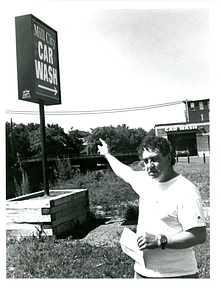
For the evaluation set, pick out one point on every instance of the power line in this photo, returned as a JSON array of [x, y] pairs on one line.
[[89, 112]]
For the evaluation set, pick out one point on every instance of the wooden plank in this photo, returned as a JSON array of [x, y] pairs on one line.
[[23, 212], [69, 225], [31, 203], [13, 226], [69, 204], [72, 215], [81, 199], [25, 229], [66, 191], [67, 198], [67, 218], [28, 196], [74, 208], [31, 219], [26, 215]]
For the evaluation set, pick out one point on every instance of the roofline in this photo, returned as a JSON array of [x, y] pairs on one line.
[[195, 100], [182, 123]]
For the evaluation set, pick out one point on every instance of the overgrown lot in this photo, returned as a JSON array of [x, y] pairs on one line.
[[75, 256]]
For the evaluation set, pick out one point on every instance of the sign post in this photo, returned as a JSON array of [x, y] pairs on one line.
[[44, 148], [38, 71]]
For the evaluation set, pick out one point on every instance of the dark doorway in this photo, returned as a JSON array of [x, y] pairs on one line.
[[184, 141]]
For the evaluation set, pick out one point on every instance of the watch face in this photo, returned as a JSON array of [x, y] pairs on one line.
[[163, 239]]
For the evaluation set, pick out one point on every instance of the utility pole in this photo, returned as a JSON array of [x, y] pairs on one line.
[[187, 112]]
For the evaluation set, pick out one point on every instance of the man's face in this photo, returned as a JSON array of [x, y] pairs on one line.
[[156, 165]]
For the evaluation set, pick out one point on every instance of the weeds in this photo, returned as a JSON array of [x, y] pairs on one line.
[[48, 258], [63, 170], [24, 188]]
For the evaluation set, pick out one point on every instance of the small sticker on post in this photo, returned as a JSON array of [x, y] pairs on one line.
[[26, 94]]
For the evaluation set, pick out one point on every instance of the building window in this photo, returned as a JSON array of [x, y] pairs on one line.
[[201, 105], [201, 117], [192, 106]]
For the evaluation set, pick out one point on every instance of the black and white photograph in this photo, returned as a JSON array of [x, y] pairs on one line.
[[110, 141]]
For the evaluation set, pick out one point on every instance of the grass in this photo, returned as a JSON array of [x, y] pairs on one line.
[[47, 257], [199, 174], [31, 257]]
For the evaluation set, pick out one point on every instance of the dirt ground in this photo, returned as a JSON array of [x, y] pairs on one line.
[[104, 232], [105, 235]]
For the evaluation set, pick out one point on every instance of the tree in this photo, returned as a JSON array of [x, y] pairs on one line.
[[17, 144], [56, 140], [151, 133], [137, 136], [10, 155], [75, 141], [26, 141], [106, 133], [17, 141], [120, 138]]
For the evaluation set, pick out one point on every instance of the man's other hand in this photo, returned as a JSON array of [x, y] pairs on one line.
[[148, 241]]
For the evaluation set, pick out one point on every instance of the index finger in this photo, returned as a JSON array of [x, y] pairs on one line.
[[102, 141]]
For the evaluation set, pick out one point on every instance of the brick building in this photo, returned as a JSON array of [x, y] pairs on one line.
[[192, 135]]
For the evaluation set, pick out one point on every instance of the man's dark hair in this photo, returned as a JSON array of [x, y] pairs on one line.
[[157, 143]]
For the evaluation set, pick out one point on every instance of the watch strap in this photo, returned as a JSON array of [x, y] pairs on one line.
[[163, 241]]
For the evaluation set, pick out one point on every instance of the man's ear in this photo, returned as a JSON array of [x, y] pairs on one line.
[[169, 158]]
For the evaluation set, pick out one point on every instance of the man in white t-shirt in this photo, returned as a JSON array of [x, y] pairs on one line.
[[171, 219]]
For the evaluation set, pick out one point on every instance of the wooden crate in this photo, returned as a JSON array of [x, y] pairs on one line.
[[69, 212], [50, 215]]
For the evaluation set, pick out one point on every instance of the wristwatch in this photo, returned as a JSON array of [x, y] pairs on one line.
[[163, 241]]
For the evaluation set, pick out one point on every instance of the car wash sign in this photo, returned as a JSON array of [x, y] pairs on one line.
[[181, 127], [37, 61]]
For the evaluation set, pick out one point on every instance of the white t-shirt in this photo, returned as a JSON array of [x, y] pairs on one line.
[[167, 208]]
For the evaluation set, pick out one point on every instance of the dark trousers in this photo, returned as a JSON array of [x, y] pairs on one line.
[[138, 276]]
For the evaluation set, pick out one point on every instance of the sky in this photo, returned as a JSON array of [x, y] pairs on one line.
[[115, 55]]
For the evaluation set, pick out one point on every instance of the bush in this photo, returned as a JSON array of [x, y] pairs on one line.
[[132, 211]]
